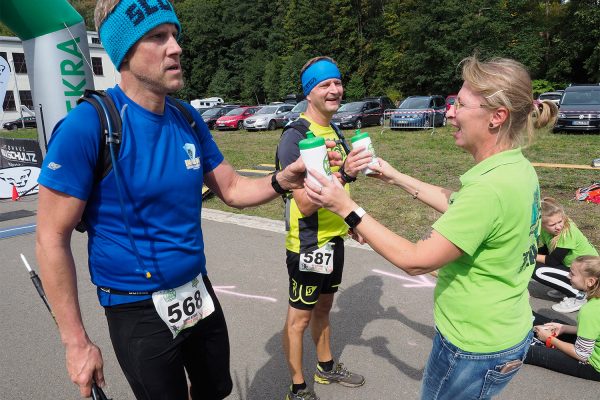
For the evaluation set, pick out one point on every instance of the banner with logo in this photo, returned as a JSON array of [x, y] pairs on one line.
[[20, 165], [4, 75]]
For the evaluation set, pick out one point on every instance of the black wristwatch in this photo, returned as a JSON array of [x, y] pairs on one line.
[[354, 218], [347, 178], [276, 186]]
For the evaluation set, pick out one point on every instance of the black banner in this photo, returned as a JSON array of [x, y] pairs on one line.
[[20, 163]]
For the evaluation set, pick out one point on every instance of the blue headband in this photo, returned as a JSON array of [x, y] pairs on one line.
[[317, 73], [129, 21]]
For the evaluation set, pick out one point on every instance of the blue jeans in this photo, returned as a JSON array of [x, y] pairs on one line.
[[455, 374]]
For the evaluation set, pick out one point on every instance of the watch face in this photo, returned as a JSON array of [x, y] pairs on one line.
[[352, 219]]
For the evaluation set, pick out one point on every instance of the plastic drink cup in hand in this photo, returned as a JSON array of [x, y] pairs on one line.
[[314, 154], [362, 140]]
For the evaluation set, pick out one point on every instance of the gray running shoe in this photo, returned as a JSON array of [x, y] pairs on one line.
[[569, 305], [340, 375], [305, 394]]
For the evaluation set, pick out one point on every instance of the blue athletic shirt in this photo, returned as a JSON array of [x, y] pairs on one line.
[[161, 162]]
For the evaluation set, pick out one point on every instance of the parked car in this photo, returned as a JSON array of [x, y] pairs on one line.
[[552, 96], [384, 102], [295, 112], [234, 119], [358, 114], [211, 116], [579, 109], [18, 123], [419, 112], [450, 99], [269, 117]]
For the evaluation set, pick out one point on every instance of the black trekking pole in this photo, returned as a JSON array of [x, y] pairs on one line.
[[97, 393]]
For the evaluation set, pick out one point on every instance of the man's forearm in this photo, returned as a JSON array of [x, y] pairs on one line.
[[57, 271]]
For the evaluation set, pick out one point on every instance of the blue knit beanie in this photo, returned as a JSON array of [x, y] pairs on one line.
[[129, 21]]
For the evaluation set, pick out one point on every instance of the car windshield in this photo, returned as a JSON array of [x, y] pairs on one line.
[[236, 111], [266, 110], [416, 103], [300, 107], [581, 97], [549, 97], [351, 107], [211, 112]]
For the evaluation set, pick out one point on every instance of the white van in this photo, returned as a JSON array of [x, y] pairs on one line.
[[209, 102]]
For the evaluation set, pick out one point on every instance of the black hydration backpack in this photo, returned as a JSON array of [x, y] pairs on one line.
[[111, 130]]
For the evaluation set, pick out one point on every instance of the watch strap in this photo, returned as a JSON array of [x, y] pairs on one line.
[[276, 186]]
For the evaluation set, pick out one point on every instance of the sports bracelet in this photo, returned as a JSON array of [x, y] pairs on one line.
[[347, 178], [549, 341], [276, 186]]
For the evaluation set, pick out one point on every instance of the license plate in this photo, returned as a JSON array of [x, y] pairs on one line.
[[580, 122]]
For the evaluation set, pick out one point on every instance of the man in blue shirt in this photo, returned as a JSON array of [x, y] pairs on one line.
[[146, 251]]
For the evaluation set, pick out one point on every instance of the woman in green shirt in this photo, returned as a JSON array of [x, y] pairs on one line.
[[485, 242]]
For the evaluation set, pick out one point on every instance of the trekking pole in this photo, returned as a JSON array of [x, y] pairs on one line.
[[97, 393]]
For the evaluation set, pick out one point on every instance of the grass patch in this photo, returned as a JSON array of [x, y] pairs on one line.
[[435, 159], [28, 133]]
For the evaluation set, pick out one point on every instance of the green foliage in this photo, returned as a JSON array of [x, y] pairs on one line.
[[249, 50], [541, 85]]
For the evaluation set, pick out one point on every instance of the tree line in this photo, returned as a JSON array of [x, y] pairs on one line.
[[252, 51]]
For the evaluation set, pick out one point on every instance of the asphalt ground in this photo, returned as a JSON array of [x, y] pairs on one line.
[[382, 319]]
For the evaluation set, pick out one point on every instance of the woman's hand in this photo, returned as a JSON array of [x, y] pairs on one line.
[[384, 171], [555, 327], [328, 194]]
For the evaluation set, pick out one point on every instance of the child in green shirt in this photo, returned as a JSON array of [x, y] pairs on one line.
[[560, 243]]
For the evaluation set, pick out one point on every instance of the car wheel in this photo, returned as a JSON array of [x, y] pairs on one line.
[[427, 123], [240, 125], [11, 127], [271, 126], [358, 124]]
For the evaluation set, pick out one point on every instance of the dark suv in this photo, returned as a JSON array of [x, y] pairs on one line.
[[384, 102], [18, 123], [579, 109], [358, 114]]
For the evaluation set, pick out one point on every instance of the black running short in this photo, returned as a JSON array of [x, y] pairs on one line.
[[305, 287], [155, 364]]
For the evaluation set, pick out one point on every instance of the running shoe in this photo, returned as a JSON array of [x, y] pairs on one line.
[[340, 375], [569, 305], [305, 394], [555, 294]]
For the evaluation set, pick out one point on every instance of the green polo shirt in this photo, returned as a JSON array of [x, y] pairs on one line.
[[573, 240], [588, 327], [481, 303]]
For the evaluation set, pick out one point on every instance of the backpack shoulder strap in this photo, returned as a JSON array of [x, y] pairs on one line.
[[110, 121], [182, 109], [342, 138]]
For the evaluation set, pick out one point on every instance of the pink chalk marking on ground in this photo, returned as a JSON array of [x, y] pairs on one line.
[[418, 281], [223, 289]]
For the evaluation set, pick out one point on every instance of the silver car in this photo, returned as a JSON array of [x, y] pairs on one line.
[[268, 118]]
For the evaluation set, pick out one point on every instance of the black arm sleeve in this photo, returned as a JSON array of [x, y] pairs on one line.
[[543, 250], [557, 257]]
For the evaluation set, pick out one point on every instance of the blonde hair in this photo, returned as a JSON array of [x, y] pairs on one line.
[[590, 266], [103, 8], [551, 207], [506, 83]]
